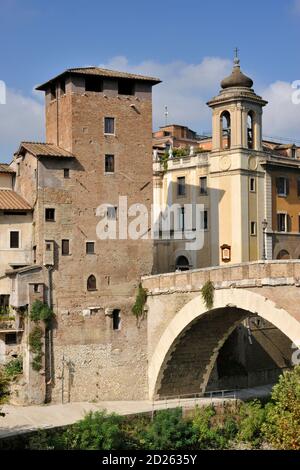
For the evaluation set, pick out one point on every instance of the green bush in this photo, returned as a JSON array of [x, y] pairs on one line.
[[40, 312], [252, 416], [97, 431], [209, 434], [282, 427], [169, 430], [14, 367]]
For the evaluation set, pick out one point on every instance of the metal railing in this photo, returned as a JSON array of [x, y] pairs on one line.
[[191, 400]]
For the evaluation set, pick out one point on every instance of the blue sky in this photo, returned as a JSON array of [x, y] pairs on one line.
[[188, 44]]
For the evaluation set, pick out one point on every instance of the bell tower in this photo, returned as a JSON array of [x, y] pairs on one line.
[[235, 171], [237, 113]]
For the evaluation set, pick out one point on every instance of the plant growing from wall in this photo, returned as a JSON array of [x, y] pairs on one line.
[[14, 368], [207, 293], [35, 345], [40, 312], [140, 302], [164, 160]]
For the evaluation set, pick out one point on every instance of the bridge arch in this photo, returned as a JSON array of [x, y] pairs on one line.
[[241, 302]]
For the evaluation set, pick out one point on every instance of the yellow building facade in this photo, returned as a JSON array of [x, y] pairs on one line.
[[235, 175]]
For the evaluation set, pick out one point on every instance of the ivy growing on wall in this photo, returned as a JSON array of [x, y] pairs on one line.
[[207, 293], [140, 301], [35, 344], [39, 312]]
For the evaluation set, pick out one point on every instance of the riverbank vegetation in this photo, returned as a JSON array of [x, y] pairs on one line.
[[249, 425]]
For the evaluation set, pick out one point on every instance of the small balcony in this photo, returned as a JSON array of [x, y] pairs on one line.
[[10, 321]]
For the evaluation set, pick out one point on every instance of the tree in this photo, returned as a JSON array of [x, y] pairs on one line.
[[282, 427], [169, 430], [97, 431]]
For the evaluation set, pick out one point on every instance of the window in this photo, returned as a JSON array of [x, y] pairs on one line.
[[48, 246], [253, 228], [66, 173], [90, 248], [34, 254], [53, 92], [204, 220], [225, 130], [63, 87], [109, 163], [109, 125], [125, 87], [282, 184], [180, 221], [283, 254], [282, 222], [50, 215], [91, 283], [250, 129], [14, 239], [4, 301], [93, 83], [11, 338], [18, 169], [182, 264], [252, 185], [112, 213], [203, 185], [65, 247], [116, 319], [181, 186]]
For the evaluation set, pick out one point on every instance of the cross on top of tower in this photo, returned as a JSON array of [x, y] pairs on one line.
[[236, 59]]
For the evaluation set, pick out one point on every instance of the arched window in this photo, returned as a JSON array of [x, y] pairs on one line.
[[91, 283], [225, 123], [182, 263], [250, 130], [283, 254]]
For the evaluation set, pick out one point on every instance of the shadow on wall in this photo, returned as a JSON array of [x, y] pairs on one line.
[[172, 253], [254, 354]]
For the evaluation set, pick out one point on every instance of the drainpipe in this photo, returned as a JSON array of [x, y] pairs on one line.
[[49, 302]]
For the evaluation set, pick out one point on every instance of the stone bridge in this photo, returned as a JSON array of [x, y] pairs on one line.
[[184, 337]]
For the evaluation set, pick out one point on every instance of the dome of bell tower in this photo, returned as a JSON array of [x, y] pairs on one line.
[[237, 78]]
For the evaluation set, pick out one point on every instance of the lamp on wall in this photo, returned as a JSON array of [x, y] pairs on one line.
[[264, 227], [226, 253]]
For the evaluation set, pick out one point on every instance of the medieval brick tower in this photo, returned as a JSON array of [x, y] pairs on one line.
[[98, 132]]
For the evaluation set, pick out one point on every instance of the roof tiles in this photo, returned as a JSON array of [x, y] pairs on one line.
[[10, 200]]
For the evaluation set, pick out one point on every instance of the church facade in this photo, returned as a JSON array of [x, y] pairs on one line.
[[248, 188]]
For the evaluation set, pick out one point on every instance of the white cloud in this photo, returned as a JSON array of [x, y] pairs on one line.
[[296, 6], [21, 118], [281, 116], [185, 88]]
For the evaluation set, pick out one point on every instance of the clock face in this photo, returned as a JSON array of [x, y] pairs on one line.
[[225, 163], [252, 163]]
